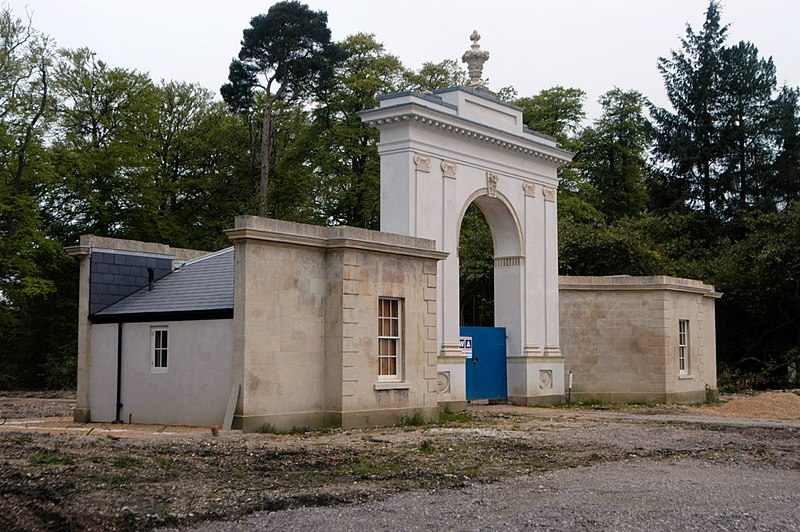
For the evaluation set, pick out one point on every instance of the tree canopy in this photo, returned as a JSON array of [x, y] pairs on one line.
[[707, 188], [287, 53]]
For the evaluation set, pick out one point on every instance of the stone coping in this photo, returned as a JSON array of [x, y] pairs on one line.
[[636, 283], [338, 237], [102, 243]]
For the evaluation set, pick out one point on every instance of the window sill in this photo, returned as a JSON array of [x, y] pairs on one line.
[[383, 386], [685, 377]]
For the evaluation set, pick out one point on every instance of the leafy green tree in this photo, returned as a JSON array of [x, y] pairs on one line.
[[37, 319], [433, 76], [688, 139], [476, 270], [26, 100], [296, 177], [201, 165], [557, 112], [613, 155], [345, 152], [759, 325], [287, 54], [102, 149]]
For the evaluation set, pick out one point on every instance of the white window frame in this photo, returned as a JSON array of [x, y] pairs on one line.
[[159, 353], [390, 340], [683, 347]]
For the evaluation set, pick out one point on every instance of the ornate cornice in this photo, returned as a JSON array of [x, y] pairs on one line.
[[446, 124]]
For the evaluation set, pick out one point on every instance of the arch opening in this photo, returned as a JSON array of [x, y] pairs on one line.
[[491, 268]]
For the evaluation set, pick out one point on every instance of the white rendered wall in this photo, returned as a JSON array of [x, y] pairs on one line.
[[103, 372], [193, 391]]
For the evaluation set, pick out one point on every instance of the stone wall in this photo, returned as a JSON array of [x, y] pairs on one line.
[[619, 338], [305, 325]]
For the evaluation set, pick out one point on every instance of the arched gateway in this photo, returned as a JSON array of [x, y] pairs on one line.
[[442, 151]]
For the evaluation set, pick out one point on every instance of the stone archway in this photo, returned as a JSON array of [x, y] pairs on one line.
[[507, 242], [439, 153]]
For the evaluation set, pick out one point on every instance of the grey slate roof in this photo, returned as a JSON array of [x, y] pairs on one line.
[[200, 285]]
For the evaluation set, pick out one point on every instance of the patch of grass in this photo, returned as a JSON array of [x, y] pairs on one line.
[[595, 403], [447, 416], [416, 420], [598, 404], [163, 463], [377, 470], [124, 462], [728, 388], [52, 458], [19, 440]]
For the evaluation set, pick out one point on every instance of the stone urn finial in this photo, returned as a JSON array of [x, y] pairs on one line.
[[475, 58]]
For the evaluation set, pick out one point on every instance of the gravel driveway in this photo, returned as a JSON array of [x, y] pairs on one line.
[[733, 466], [636, 494], [680, 472]]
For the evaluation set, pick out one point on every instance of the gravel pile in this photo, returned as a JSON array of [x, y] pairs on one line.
[[774, 405]]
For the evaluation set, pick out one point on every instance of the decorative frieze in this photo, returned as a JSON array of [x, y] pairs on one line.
[[549, 193], [449, 169], [504, 262], [422, 162], [491, 184], [529, 189]]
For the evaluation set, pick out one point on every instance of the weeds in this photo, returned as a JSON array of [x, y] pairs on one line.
[[416, 420], [426, 446], [712, 396], [269, 428], [446, 416]]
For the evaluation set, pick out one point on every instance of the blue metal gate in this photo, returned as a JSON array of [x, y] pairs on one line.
[[486, 368]]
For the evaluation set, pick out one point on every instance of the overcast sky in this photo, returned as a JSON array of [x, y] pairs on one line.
[[534, 44]]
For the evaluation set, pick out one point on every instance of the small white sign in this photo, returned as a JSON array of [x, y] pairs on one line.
[[465, 342]]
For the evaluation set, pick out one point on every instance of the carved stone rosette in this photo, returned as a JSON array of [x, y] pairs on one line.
[[443, 382], [422, 162], [449, 169], [491, 184], [549, 193], [529, 188]]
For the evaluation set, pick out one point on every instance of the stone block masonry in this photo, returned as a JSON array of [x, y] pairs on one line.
[[619, 337]]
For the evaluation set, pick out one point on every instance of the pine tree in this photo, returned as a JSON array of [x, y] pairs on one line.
[[688, 139]]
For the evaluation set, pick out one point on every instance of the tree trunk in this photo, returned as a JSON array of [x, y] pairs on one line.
[[266, 155]]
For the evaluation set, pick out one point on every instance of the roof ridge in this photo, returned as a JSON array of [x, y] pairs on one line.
[[204, 257]]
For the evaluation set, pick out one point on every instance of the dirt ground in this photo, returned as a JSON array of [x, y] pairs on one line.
[[61, 475]]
